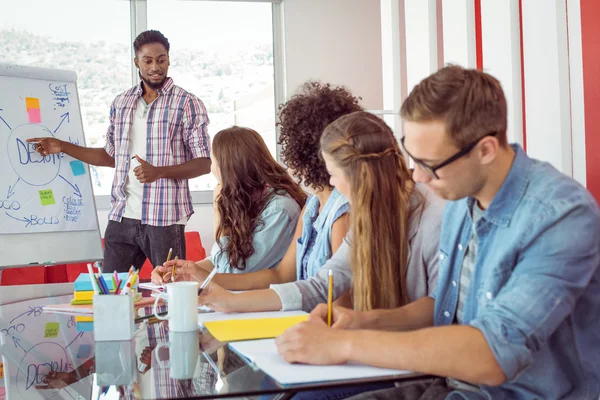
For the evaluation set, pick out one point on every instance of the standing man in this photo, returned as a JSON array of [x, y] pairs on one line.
[[157, 140], [515, 312]]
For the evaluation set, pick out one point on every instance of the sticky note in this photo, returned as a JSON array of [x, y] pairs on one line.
[[47, 197], [1, 371], [32, 102], [250, 329], [51, 329], [34, 115], [84, 351], [77, 167]]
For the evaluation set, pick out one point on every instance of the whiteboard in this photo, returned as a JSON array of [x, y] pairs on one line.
[[47, 207], [34, 343]]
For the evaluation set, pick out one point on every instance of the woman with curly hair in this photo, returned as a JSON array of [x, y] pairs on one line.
[[324, 223], [257, 205]]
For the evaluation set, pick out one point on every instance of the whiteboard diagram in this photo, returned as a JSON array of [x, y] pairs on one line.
[[50, 193], [33, 344]]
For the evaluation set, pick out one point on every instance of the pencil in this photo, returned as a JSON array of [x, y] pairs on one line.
[[330, 298], [173, 272], [169, 255]]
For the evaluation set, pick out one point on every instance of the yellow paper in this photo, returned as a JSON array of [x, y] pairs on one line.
[[83, 295], [83, 318], [248, 329]]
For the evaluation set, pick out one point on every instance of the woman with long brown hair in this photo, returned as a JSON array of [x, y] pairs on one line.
[[390, 256], [256, 205]]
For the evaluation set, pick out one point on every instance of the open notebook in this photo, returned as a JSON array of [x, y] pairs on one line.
[[263, 353]]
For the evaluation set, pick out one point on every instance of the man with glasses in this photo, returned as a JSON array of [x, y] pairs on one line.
[[515, 312], [157, 139]]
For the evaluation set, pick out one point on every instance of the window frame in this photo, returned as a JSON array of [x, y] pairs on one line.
[[138, 21]]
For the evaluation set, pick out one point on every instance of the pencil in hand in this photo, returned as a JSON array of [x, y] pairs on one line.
[[173, 272], [330, 299]]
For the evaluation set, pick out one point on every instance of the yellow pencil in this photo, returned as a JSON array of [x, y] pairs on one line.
[[173, 272], [330, 299], [168, 258]]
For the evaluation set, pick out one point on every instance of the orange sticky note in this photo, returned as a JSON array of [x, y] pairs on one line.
[[1, 371], [32, 102]]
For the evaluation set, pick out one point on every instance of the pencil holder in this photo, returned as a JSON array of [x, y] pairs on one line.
[[113, 317], [115, 362]]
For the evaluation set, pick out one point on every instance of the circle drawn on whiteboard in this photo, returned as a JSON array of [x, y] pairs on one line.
[[26, 161], [36, 364]]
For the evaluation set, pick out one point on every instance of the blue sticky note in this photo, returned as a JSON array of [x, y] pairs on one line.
[[84, 351], [77, 167]]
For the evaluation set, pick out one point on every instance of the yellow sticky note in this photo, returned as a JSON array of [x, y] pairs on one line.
[[51, 329], [47, 197], [248, 329], [1, 371], [32, 102], [83, 318]]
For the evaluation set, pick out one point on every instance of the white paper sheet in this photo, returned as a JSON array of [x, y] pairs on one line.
[[264, 355]]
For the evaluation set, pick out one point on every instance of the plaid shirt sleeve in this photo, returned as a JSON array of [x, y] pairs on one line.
[[110, 133], [195, 123]]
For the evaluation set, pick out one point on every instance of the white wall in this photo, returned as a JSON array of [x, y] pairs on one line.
[[335, 41]]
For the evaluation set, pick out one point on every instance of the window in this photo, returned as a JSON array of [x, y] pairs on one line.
[[223, 53], [91, 37]]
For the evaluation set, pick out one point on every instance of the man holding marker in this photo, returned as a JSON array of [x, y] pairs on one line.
[[157, 139]]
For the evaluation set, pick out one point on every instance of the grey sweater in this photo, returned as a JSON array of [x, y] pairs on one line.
[[421, 274]]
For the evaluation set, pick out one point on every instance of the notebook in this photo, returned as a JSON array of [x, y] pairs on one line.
[[263, 353], [252, 328]]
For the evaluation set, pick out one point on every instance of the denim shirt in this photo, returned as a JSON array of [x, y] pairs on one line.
[[535, 287], [271, 238], [313, 247]]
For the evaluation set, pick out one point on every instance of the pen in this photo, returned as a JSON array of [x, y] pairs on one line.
[[207, 280], [330, 298], [150, 316], [173, 272], [94, 285]]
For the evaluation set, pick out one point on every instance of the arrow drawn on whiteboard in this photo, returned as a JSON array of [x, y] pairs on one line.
[[17, 343], [80, 334], [22, 220], [5, 123], [64, 116], [36, 311], [75, 187], [11, 189]]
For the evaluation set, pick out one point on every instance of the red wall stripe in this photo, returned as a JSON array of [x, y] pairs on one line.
[[522, 75], [478, 41], [590, 37]]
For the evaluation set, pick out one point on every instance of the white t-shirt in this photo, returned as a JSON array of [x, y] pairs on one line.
[[134, 189]]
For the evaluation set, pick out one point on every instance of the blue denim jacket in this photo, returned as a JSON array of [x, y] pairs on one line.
[[313, 248], [535, 288]]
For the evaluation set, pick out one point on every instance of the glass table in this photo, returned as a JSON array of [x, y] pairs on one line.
[[155, 364]]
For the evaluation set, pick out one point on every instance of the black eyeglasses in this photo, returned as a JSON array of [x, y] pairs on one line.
[[431, 170]]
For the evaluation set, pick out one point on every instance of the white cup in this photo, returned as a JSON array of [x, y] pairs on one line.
[[184, 352], [182, 302]]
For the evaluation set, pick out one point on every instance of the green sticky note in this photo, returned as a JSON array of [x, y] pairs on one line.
[[47, 197], [51, 329]]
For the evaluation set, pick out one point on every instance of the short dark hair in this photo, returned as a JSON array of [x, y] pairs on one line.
[[151, 36], [302, 121]]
